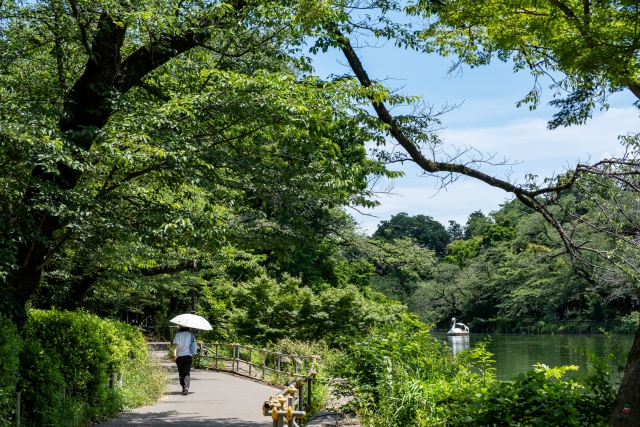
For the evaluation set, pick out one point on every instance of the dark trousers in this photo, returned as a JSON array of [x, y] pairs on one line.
[[184, 370]]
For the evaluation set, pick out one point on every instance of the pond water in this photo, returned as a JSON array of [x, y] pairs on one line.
[[516, 354]]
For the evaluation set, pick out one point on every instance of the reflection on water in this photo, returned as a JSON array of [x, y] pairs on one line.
[[516, 354], [458, 343]]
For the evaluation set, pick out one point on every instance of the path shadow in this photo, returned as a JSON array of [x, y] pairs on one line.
[[174, 419]]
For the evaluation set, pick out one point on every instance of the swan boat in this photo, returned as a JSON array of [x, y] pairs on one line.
[[458, 328]]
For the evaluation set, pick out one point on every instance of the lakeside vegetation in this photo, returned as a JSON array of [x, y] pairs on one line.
[[148, 149], [507, 270]]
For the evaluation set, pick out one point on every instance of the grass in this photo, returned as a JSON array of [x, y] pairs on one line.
[[143, 383]]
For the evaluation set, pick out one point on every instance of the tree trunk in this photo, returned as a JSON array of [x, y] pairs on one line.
[[173, 305], [88, 106], [22, 283], [626, 408]]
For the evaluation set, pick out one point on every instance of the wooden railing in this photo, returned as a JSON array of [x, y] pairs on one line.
[[299, 370]]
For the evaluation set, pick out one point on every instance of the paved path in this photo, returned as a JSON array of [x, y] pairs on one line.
[[216, 399]]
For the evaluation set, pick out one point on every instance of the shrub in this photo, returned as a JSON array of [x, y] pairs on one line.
[[81, 345], [10, 345], [632, 319], [264, 310], [142, 384], [79, 351], [541, 398], [129, 339], [307, 348], [41, 384], [303, 348], [402, 376]]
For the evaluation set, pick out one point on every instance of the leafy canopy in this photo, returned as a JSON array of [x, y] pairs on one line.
[[590, 49]]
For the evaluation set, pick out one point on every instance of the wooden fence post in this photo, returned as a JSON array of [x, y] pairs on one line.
[[301, 396]]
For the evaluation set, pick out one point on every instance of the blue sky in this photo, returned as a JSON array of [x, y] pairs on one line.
[[488, 120]]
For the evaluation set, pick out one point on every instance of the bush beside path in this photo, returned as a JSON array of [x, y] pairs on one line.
[[73, 368]]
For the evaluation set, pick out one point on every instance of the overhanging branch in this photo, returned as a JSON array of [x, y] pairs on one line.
[[529, 197]]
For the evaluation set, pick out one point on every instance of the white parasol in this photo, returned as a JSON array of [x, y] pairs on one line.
[[192, 321]]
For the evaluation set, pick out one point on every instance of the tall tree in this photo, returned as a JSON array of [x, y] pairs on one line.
[[477, 223], [455, 230], [156, 122], [586, 81], [423, 229]]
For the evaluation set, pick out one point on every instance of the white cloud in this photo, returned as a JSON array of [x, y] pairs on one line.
[[529, 140], [542, 152]]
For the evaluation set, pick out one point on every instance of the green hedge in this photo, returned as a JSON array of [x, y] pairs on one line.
[[541, 398], [81, 345], [41, 384], [78, 352], [10, 346]]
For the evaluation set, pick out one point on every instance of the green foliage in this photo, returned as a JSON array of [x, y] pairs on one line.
[[502, 232], [477, 224], [313, 262], [455, 230], [358, 273], [41, 383], [399, 265], [541, 398], [84, 347], [225, 143], [321, 387], [403, 376], [581, 42], [265, 310], [143, 383], [632, 318], [483, 360], [78, 351], [423, 229], [307, 348], [517, 271], [461, 251], [10, 346]]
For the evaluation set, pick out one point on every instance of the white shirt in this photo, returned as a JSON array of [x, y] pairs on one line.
[[183, 343]]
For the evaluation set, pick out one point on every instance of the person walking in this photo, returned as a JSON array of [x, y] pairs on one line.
[[182, 354]]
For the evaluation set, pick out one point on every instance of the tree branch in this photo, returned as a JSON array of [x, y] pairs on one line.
[[131, 176], [428, 165], [564, 8], [529, 197], [153, 90], [83, 30], [54, 251]]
